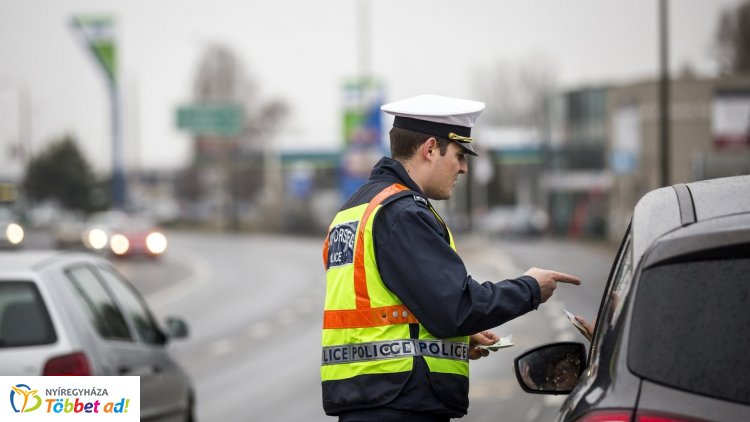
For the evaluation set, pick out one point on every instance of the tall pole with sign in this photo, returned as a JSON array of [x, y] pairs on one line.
[[98, 32], [664, 114], [363, 96]]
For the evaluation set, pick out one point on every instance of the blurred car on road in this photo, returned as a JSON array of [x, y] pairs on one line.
[[518, 220], [121, 234], [672, 336], [73, 313], [12, 232], [67, 230]]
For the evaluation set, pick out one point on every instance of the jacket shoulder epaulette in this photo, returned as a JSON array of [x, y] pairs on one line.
[[419, 199]]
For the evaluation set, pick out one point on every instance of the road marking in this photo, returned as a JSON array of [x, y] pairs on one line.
[[221, 347], [304, 305], [534, 411], [562, 330], [200, 274], [493, 389], [287, 318], [260, 330], [554, 401], [567, 336]]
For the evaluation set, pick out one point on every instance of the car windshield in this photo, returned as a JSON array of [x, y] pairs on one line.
[[690, 327]]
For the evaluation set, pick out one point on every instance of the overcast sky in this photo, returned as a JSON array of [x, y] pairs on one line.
[[301, 51]]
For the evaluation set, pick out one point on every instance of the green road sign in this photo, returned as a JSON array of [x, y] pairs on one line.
[[211, 119]]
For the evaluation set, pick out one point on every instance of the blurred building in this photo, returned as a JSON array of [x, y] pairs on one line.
[[574, 183], [597, 153], [593, 153], [503, 178], [710, 137]]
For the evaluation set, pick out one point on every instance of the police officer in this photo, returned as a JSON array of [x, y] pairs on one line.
[[402, 316]]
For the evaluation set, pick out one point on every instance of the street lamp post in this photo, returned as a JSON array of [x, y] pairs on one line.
[[664, 115]]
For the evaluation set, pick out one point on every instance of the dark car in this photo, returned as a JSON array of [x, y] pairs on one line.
[[672, 338]]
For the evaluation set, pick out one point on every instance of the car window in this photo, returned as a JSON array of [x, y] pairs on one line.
[[99, 305], [607, 329], [134, 306], [621, 283], [24, 320], [691, 324], [618, 287]]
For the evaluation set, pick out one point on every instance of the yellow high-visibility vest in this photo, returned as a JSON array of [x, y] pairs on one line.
[[365, 325]]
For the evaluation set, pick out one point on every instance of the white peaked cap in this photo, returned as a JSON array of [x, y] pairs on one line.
[[445, 117], [438, 109]]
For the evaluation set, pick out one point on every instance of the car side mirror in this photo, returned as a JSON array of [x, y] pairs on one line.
[[553, 368], [176, 328]]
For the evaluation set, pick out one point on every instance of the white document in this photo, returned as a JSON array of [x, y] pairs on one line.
[[504, 342], [575, 323]]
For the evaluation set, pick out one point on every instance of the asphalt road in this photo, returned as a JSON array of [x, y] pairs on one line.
[[253, 303]]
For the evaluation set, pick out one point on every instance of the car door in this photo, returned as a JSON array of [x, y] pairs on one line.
[[119, 349], [164, 386], [105, 334]]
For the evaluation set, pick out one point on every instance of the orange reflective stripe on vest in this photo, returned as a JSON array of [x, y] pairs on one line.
[[360, 278], [364, 318], [365, 315]]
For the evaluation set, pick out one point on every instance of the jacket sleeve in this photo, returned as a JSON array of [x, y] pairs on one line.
[[418, 265]]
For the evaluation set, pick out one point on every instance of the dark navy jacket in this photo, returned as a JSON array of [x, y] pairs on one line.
[[417, 263]]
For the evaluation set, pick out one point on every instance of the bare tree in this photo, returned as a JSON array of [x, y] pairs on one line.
[[515, 94], [234, 170], [733, 40], [222, 78]]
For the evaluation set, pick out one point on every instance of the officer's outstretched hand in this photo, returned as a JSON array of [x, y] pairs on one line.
[[548, 280], [486, 338]]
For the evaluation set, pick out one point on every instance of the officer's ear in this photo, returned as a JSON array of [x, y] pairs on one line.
[[429, 148]]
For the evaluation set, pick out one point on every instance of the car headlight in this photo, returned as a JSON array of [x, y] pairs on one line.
[[156, 243], [97, 239], [119, 244], [14, 233]]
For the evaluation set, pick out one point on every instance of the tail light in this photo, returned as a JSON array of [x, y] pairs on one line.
[[660, 417], [607, 416], [627, 416], [72, 364]]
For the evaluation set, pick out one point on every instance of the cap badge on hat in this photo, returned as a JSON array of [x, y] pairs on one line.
[[452, 136]]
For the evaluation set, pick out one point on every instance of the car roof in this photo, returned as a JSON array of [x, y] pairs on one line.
[[30, 260], [691, 210]]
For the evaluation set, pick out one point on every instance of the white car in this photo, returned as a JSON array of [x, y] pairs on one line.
[[73, 313]]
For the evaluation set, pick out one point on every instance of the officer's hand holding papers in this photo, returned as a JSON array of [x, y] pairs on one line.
[[478, 343], [504, 342], [481, 344]]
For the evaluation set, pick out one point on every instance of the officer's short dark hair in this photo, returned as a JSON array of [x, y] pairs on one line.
[[404, 142]]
